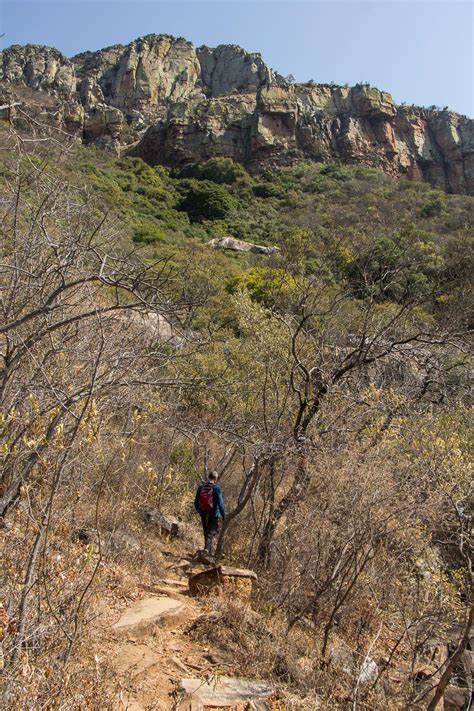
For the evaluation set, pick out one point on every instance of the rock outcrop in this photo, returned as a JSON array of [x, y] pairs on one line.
[[238, 245], [38, 67], [172, 103]]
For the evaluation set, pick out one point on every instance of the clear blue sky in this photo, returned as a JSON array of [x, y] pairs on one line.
[[419, 50]]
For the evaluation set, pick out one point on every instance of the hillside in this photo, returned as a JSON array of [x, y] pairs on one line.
[[304, 331], [172, 103]]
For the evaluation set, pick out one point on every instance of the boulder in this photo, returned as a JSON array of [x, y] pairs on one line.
[[223, 580], [238, 245], [164, 524]]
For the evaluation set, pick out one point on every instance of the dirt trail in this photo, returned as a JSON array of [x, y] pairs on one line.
[[144, 643]]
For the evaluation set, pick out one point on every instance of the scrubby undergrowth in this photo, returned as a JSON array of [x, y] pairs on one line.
[[328, 384]]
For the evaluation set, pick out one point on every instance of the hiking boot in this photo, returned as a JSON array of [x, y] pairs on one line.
[[205, 557]]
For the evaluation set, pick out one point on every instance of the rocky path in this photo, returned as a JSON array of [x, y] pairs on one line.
[[158, 667], [147, 649]]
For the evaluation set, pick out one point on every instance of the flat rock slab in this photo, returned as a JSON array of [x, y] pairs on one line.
[[225, 693], [149, 610]]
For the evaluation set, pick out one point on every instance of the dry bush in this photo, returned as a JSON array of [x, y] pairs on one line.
[[357, 566], [356, 517], [260, 648], [87, 356]]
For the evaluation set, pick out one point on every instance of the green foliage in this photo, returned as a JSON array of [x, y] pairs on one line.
[[223, 171], [147, 232], [205, 200], [399, 268], [295, 243], [346, 225], [336, 172], [265, 285], [435, 206], [267, 190]]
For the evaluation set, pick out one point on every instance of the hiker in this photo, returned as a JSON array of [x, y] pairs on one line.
[[209, 503]]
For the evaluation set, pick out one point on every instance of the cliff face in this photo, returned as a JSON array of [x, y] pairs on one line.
[[172, 103]]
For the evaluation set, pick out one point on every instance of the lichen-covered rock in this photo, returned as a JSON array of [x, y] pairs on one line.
[[200, 129], [73, 118], [43, 68], [103, 125], [143, 74], [229, 68], [358, 126]]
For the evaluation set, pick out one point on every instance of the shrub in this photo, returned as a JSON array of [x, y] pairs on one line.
[[336, 172], [400, 267], [205, 200], [265, 285], [147, 232], [436, 206], [267, 190], [223, 171]]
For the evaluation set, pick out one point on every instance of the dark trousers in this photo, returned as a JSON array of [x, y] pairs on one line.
[[210, 524]]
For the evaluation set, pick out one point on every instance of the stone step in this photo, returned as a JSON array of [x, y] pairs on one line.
[[163, 611], [223, 693]]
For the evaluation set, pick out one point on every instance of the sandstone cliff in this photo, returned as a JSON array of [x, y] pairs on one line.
[[169, 102]]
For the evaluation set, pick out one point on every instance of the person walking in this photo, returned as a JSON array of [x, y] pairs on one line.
[[209, 504]]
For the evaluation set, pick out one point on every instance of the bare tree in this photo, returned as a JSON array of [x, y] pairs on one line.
[[326, 352], [88, 331]]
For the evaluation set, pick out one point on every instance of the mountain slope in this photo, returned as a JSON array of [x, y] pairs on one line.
[[172, 103]]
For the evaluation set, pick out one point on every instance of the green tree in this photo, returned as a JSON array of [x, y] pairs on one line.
[[223, 171], [205, 200], [400, 267]]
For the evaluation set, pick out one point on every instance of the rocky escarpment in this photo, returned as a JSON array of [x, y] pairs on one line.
[[169, 102]]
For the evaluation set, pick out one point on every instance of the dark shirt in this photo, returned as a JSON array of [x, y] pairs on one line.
[[216, 496]]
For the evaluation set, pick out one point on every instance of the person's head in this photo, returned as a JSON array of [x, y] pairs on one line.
[[212, 477]]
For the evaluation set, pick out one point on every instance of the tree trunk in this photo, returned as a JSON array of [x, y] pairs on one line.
[[300, 482], [248, 487]]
